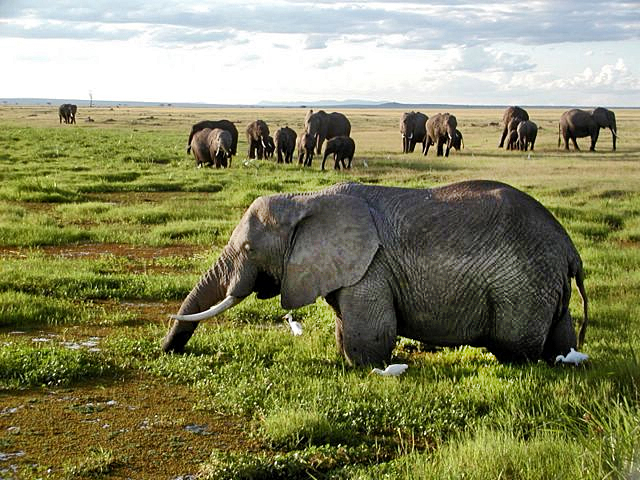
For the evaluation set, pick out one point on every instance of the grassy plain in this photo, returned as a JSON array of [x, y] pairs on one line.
[[106, 225]]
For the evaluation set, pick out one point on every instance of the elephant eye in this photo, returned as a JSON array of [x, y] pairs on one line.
[[247, 246]]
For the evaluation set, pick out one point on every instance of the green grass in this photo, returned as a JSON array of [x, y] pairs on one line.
[[106, 226]]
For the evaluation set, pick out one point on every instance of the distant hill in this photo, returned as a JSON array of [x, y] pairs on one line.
[[269, 104]]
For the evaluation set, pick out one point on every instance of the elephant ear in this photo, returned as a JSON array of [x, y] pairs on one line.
[[332, 247]]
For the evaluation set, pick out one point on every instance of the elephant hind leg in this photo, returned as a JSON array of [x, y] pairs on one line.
[[561, 338]]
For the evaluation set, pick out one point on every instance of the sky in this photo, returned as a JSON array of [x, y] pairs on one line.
[[582, 53]]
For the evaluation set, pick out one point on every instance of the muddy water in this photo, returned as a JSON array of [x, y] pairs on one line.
[[149, 426]]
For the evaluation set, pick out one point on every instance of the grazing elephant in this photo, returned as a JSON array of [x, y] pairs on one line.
[[413, 128], [199, 145], [322, 125], [441, 129], [211, 124], [473, 263], [578, 123], [285, 140], [257, 133], [510, 114], [342, 149], [67, 112], [306, 146], [269, 147], [219, 141], [527, 133]]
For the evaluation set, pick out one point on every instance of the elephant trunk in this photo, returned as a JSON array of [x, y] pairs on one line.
[[210, 291]]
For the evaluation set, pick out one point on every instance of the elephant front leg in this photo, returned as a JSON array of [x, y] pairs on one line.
[[366, 326]]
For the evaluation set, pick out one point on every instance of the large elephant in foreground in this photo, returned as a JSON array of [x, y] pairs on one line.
[[258, 139], [413, 128], [578, 123], [473, 263], [323, 126], [510, 119], [441, 130], [211, 124]]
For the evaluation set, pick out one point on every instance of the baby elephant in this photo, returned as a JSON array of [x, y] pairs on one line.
[[527, 133], [342, 148], [220, 147]]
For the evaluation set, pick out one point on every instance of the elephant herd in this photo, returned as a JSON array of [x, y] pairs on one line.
[[215, 142]]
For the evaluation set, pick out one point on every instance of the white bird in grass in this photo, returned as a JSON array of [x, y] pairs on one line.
[[573, 357], [392, 370], [296, 327]]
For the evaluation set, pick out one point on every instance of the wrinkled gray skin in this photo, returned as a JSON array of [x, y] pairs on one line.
[[509, 115], [323, 126], [200, 148], [441, 130], [473, 263], [306, 147], [342, 148], [578, 123], [211, 124], [413, 128], [257, 133], [219, 142], [527, 132], [67, 112], [269, 147], [285, 140]]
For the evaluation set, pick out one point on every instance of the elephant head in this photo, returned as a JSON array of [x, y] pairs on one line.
[[258, 138], [298, 246], [605, 118]]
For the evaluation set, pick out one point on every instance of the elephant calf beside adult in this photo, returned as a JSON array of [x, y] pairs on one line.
[[323, 126], [413, 128], [511, 117], [211, 124], [578, 123], [342, 148], [212, 147], [441, 130], [435, 265]]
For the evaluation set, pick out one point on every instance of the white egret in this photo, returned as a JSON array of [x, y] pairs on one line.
[[392, 370], [296, 327], [573, 357]]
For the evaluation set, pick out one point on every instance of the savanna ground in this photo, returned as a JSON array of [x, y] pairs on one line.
[[106, 225]]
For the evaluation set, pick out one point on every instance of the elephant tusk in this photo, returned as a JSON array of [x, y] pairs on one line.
[[217, 309]]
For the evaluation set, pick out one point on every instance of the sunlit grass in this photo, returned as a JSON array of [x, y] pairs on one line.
[[99, 219]]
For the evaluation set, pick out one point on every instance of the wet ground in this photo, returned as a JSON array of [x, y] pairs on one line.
[[149, 427]]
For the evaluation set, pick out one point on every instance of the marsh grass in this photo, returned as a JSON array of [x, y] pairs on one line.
[[105, 227]]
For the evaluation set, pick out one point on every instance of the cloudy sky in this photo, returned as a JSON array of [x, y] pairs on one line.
[[531, 53]]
